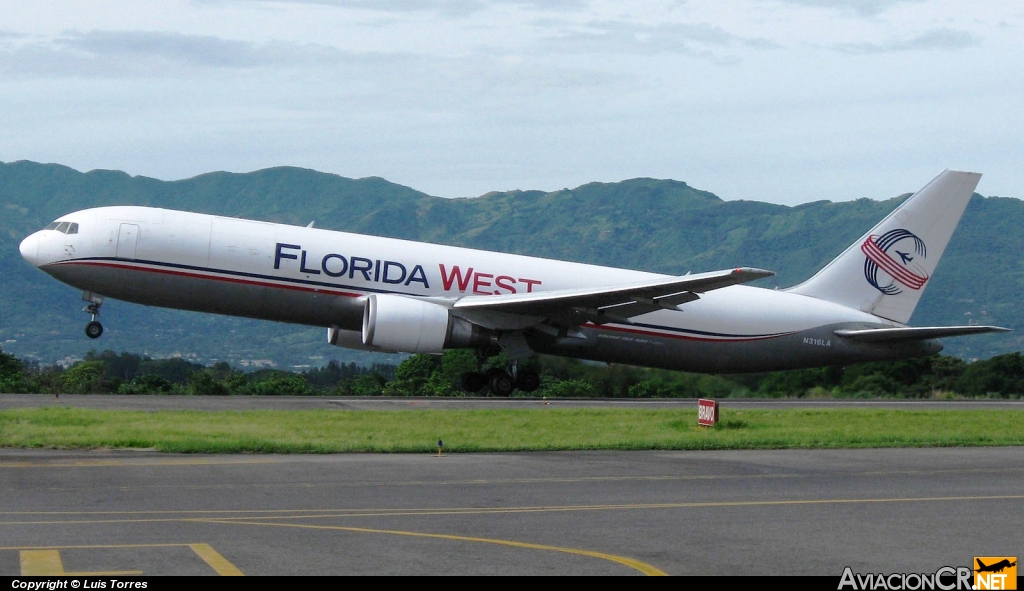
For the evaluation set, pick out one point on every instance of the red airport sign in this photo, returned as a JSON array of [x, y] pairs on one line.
[[707, 412]]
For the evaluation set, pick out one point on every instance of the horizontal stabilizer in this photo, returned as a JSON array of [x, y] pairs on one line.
[[899, 335], [638, 298]]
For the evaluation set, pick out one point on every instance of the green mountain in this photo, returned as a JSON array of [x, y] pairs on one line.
[[655, 225]]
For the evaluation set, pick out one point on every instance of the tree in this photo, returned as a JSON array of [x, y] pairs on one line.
[[364, 384], [412, 374], [84, 377], [204, 383], [280, 383], [567, 389], [124, 366], [13, 378], [1002, 375], [147, 384]]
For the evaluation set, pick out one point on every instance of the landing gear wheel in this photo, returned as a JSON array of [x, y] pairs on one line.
[[93, 330], [528, 380], [473, 381], [501, 382]]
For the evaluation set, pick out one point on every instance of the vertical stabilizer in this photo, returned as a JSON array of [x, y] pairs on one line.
[[885, 272]]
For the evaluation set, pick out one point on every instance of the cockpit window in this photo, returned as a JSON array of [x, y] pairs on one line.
[[64, 227]]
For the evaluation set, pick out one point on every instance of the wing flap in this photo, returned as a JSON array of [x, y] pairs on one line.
[[919, 333], [620, 301]]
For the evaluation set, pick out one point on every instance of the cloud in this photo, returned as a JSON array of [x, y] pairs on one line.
[[933, 40], [450, 8], [200, 50], [618, 37], [943, 39], [372, 5], [149, 54], [548, 4], [865, 8]]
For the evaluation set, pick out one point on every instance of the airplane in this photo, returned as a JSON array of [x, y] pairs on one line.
[[390, 295], [996, 567]]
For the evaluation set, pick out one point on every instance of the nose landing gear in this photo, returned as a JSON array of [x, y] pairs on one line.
[[93, 329]]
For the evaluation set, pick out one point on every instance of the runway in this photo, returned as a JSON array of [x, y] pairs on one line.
[[803, 512], [182, 402]]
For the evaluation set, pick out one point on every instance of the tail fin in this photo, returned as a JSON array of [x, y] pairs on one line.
[[885, 272]]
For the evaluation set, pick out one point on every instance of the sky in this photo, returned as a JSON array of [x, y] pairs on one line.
[[786, 101]]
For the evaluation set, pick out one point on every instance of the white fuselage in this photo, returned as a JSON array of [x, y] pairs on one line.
[[318, 277]]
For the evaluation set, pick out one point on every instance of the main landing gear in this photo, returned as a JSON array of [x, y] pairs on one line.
[[502, 382], [93, 329]]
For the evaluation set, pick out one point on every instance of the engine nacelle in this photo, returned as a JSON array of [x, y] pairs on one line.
[[410, 325], [350, 339]]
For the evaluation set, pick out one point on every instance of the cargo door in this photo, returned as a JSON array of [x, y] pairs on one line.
[[127, 241]]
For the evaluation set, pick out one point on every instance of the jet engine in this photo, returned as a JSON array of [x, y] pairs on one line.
[[410, 325]]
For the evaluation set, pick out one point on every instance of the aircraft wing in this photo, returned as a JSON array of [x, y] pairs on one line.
[[896, 335], [615, 303]]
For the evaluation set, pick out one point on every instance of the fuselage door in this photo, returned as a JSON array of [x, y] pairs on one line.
[[127, 241]]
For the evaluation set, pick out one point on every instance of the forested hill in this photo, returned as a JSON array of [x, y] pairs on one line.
[[655, 225]]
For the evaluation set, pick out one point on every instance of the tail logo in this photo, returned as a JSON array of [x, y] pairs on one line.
[[893, 258]]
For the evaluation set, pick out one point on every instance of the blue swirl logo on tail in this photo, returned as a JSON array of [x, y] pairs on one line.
[[893, 258]]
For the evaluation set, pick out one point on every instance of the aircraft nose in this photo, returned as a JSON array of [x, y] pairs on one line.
[[30, 249]]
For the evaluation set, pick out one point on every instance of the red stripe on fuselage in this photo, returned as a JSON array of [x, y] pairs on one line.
[[195, 275]]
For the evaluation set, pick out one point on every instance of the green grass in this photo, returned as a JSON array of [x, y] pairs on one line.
[[330, 431]]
